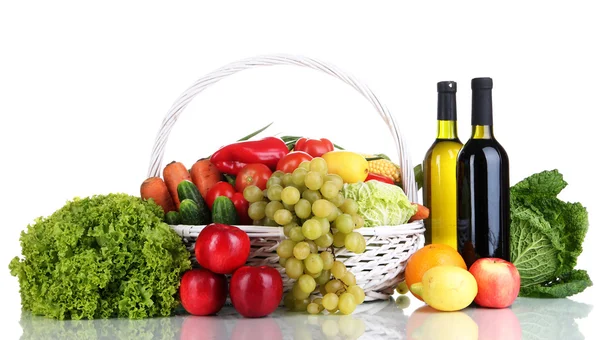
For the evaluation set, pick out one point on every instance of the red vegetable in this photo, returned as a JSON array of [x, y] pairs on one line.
[[231, 158], [290, 162], [314, 147], [253, 174], [219, 189], [241, 206], [377, 177]]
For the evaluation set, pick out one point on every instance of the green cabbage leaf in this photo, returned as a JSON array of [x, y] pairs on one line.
[[103, 256], [380, 204]]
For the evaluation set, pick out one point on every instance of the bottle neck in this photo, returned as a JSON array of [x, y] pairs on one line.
[[446, 129], [481, 108], [482, 132]]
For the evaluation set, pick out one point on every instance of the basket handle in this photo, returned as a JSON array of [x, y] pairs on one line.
[[408, 178]]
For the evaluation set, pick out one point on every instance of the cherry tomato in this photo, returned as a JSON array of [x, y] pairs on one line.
[[290, 162], [314, 147], [219, 189], [241, 206], [252, 174]]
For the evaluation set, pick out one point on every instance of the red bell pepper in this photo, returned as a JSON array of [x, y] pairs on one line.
[[230, 159], [314, 147], [377, 177]]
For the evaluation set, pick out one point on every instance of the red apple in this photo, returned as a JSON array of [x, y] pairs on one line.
[[498, 282], [222, 248], [203, 292], [256, 291]]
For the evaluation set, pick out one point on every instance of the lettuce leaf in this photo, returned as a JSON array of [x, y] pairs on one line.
[[380, 203], [546, 237], [100, 257]]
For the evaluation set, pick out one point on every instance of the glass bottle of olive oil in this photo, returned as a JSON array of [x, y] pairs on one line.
[[439, 168]]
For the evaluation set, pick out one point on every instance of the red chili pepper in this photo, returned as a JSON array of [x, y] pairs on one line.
[[377, 177], [231, 158], [314, 147]]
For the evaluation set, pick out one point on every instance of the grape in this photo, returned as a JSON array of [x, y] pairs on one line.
[[289, 207], [325, 240], [349, 279], [327, 258], [301, 250], [252, 193], [298, 176], [311, 195], [344, 223], [359, 293], [330, 301], [294, 268], [272, 207], [322, 287], [286, 248], [313, 180], [278, 174], [359, 221], [325, 226], [324, 277], [318, 164], [297, 291], [288, 227], [256, 210], [362, 246], [303, 208], [269, 222], [313, 308], [329, 190], [304, 165], [313, 263], [349, 206], [339, 239], [333, 286], [311, 229], [286, 180], [289, 301], [313, 275], [313, 247], [283, 216], [338, 269], [353, 241], [274, 192], [346, 303], [273, 180], [402, 288], [335, 178], [290, 195], [307, 283], [322, 208], [338, 200], [282, 261], [334, 214], [300, 305], [296, 234]]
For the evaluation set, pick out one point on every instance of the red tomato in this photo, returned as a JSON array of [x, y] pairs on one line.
[[219, 189], [314, 147], [290, 162], [253, 174], [241, 206]]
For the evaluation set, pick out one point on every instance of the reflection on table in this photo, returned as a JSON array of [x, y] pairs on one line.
[[389, 319]]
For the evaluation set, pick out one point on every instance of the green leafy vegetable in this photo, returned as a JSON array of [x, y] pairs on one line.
[[101, 257], [380, 203], [546, 237]]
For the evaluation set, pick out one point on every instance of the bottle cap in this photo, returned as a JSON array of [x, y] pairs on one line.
[[446, 86], [482, 83]]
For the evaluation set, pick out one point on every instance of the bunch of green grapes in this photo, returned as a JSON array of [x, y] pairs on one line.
[[316, 219]]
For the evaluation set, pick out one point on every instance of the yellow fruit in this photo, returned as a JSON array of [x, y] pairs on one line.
[[351, 166], [447, 288]]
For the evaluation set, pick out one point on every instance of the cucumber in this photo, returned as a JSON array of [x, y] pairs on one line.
[[190, 212], [224, 212], [188, 190], [173, 218]]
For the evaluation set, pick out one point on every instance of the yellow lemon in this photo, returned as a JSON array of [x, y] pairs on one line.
[[349, 165], [447, 288]]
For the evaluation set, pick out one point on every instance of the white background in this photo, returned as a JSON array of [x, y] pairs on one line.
[[84, 88]]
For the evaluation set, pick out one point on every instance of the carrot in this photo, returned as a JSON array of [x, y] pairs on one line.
[[174, 173], [421, 214], [156, 189], [205, 175]]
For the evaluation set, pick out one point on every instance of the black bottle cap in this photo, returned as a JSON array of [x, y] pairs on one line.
[[482, 83], [446, 109]]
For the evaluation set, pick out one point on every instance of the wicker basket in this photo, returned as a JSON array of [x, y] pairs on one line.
[[380, 268]]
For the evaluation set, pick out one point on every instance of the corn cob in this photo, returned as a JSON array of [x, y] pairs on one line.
[[384, 167]]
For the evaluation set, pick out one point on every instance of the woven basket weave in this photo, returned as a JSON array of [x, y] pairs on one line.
[[380, 268]]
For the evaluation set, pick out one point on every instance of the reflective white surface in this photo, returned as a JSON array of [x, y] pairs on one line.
[[526, 319]]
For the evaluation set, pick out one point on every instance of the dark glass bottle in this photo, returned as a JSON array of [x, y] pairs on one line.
[[483, 187]]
